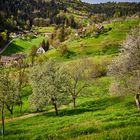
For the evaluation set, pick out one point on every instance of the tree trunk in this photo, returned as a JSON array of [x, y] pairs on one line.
[[32, 60], [2, 119], [21, 108], [10, 109], [137, 101], [20, 103], [56, 110], [74, 102]]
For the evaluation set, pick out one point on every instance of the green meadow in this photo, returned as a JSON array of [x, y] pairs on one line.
[[49, 29], [22, 46], [105, 44], [98, 116]]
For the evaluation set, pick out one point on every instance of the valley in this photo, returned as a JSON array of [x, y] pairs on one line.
[[70, 71]]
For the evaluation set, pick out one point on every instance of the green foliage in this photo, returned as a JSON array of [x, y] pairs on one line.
[[45, 45], [11, 23], [49, 86], [33, 54], [4, 35], [8, 92], [63, 50], [48, 29]]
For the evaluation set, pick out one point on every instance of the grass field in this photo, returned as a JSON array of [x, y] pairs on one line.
[[49, 29], [96, 46], [98, 116], [22, 46]]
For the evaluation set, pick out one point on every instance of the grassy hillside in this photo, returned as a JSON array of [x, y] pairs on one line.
[[22, 46], [97, 116], [49, 29], [104, 44], [93, 46]]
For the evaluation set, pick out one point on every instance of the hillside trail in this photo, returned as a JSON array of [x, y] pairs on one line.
[[29, 115], [23, 117]]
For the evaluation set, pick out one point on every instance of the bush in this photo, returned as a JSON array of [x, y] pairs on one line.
[[110, 46], [99, 69], [63, 49]]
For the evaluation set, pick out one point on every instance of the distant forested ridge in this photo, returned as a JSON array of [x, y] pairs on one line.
[[23, 14], [25, 11], [39, 12]]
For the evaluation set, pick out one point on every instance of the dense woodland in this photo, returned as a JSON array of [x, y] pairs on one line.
[[29, 12]]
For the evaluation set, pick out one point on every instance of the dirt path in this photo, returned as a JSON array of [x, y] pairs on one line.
[[28, 116], [23, 117]]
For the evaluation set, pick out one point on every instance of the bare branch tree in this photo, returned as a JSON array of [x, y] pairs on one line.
[[79, 74]]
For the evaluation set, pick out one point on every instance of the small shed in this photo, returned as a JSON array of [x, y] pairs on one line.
[[48, 34], [40, 50]]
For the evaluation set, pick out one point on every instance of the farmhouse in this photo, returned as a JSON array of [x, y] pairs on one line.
[[99, 27], [48, 34], [78, 32], [4, 60], [40, 50]]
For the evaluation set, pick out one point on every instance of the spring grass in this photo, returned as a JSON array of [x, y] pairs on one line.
[[49, 29], [104, 44], [97, 116], [22, 46]]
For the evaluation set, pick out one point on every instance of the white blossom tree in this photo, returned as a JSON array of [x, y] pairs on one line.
[[126, 67]]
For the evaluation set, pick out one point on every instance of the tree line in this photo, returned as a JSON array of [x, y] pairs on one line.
[[39, 12]]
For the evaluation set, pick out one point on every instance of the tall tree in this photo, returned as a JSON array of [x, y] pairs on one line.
[[8, 93], [79, 74], [49, 86], [126, 68], [45, 45], [33, 54], [61, 34], [22, 79]]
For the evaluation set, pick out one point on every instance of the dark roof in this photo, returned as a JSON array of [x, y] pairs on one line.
[[14, 57], [45, 48]]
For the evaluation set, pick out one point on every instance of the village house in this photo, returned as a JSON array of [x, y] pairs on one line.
[[4, 60], [13, 35], [36, 34], [80, 31], [42, 49], [48, 34], [99, 27]]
